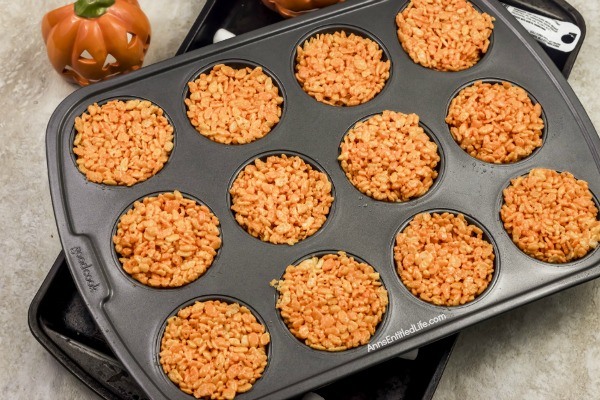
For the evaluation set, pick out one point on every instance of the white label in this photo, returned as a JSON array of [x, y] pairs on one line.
[[553, 33]]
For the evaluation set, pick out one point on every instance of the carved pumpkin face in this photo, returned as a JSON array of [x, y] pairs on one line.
[[293, 8], [91, 40]]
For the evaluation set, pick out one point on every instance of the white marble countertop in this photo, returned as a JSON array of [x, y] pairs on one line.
[[549, 349]]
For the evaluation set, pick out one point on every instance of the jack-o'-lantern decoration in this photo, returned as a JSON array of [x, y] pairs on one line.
[[293, 8], [91, 40]]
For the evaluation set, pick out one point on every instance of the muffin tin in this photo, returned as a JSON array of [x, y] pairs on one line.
[[132, 316]]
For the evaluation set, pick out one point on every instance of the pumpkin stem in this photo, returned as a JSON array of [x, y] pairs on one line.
[[92, 8]]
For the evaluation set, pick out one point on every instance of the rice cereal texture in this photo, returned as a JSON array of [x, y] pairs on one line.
[[122, 143], [234, 106], [331, 303], [496, 122], [551, 216], [444, 35], [281, 199], [167, 240], [214, 350], [340, 69], [389, 157], [443, 260]]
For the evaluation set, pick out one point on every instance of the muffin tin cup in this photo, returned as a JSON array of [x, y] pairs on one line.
[[263, 156], [485, 236], [534, 101], [439, 168], [191, 302], [131, 317], [116, 256], [236, 64], [349, 29], [101, 102], [378, 329], [500, 203], [482, 56]]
